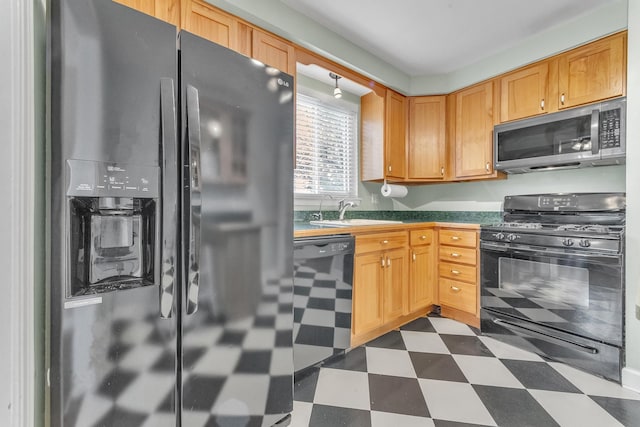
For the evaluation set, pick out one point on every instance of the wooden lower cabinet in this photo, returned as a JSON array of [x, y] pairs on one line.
[[393, 282], [422, 270], [367, 293], [394, 285], [458, 286]]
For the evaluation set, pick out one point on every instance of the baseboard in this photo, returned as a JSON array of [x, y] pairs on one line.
[[631, 379]]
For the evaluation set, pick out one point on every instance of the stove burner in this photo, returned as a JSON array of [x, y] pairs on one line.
[[589, 228]]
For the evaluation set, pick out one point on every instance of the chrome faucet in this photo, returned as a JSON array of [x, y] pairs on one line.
[[342, 207]]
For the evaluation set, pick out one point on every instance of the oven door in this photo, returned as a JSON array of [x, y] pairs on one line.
[[564, 290]]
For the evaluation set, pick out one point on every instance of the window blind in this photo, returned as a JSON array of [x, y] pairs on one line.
[[325, 149]]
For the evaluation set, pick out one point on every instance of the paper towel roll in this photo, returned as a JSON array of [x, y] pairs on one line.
[[392, 190]]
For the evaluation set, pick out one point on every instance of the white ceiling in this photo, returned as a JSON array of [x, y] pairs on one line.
[[430, 37]]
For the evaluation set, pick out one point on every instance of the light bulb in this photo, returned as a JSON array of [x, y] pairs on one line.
[[337, 92]]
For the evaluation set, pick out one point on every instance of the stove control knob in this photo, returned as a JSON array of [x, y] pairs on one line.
[[511, 237], [584, 243], [499, 236], [567, 242]]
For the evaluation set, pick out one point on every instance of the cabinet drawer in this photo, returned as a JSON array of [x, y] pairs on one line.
[[458, 295], [464, 238], [465, 273], [421, 237], [455, 254], [380, 241]]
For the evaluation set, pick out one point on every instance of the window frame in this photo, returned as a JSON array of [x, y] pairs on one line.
[[331, 199]]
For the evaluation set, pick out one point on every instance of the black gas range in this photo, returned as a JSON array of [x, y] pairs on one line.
[[552, 278]]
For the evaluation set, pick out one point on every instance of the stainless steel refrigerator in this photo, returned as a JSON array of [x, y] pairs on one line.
[[170, 226]]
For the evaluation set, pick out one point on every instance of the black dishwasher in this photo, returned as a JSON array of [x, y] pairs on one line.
[[323, 287]]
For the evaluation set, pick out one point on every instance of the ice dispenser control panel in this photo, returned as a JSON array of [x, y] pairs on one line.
[[107, 179]]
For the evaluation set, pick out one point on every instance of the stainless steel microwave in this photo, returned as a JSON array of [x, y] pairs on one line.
[[592, 135]]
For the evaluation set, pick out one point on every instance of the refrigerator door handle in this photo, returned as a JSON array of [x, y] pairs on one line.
[[193, 129], [169, 200]]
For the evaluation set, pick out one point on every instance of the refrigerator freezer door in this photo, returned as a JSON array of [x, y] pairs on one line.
[[237, 365], [113, 356]]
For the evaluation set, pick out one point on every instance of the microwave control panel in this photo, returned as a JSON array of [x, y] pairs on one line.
[[610, 128]]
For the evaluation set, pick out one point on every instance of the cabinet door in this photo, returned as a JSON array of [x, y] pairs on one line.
[[592, 73], [427, 137], [205, 21], [474, 131], [166, 10], [524, 93], [395, 135], [273, 51], [372, 137], [421, 277], [367, 303], [395, 285]]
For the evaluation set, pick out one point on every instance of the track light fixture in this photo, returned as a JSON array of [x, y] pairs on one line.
[[337, 92]]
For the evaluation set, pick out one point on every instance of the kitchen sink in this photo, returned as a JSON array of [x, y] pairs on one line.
[[352, 222]]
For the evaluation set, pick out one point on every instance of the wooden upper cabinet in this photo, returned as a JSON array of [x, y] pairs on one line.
[[592, 72], [166, 10], [371, 137], [395, 135], [202, 19], [473, 155], [273, 51], [383, 136], [427, 137], [525, 92]]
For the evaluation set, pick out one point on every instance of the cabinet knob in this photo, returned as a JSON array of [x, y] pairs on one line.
[[562, 99], [456, 272], [384, 242], [388, 262], [487, 167], [455, 255], [455, 289], [423, 237], [442, 171], [542, 104], [389, 168], [382, 261], [455, 238], [413, 256]]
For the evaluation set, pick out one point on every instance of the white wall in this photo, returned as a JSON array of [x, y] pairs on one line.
[[488, 195], [631, 375], [17, 129]]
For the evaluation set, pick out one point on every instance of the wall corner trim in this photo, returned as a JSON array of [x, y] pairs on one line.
[[631, 379]]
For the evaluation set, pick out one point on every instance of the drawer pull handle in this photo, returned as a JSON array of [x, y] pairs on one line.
[[384, 242], [455, 255], [388, 262], [455, 272], [382, 261], [455, 289], [413, 255], [423, 237], [455, 238]]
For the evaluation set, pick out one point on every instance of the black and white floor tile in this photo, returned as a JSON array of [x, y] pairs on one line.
[[439, 372]]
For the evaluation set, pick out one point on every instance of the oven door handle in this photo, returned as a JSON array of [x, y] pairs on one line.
[[556, 340], [515, 250]]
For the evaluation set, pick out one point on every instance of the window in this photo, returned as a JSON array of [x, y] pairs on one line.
[[325, 149]]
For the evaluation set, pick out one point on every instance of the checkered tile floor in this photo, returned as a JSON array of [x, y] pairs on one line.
[[439, 372]]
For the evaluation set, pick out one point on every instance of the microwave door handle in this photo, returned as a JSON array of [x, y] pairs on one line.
[[195, 200], [166, 267], [595, 132]]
